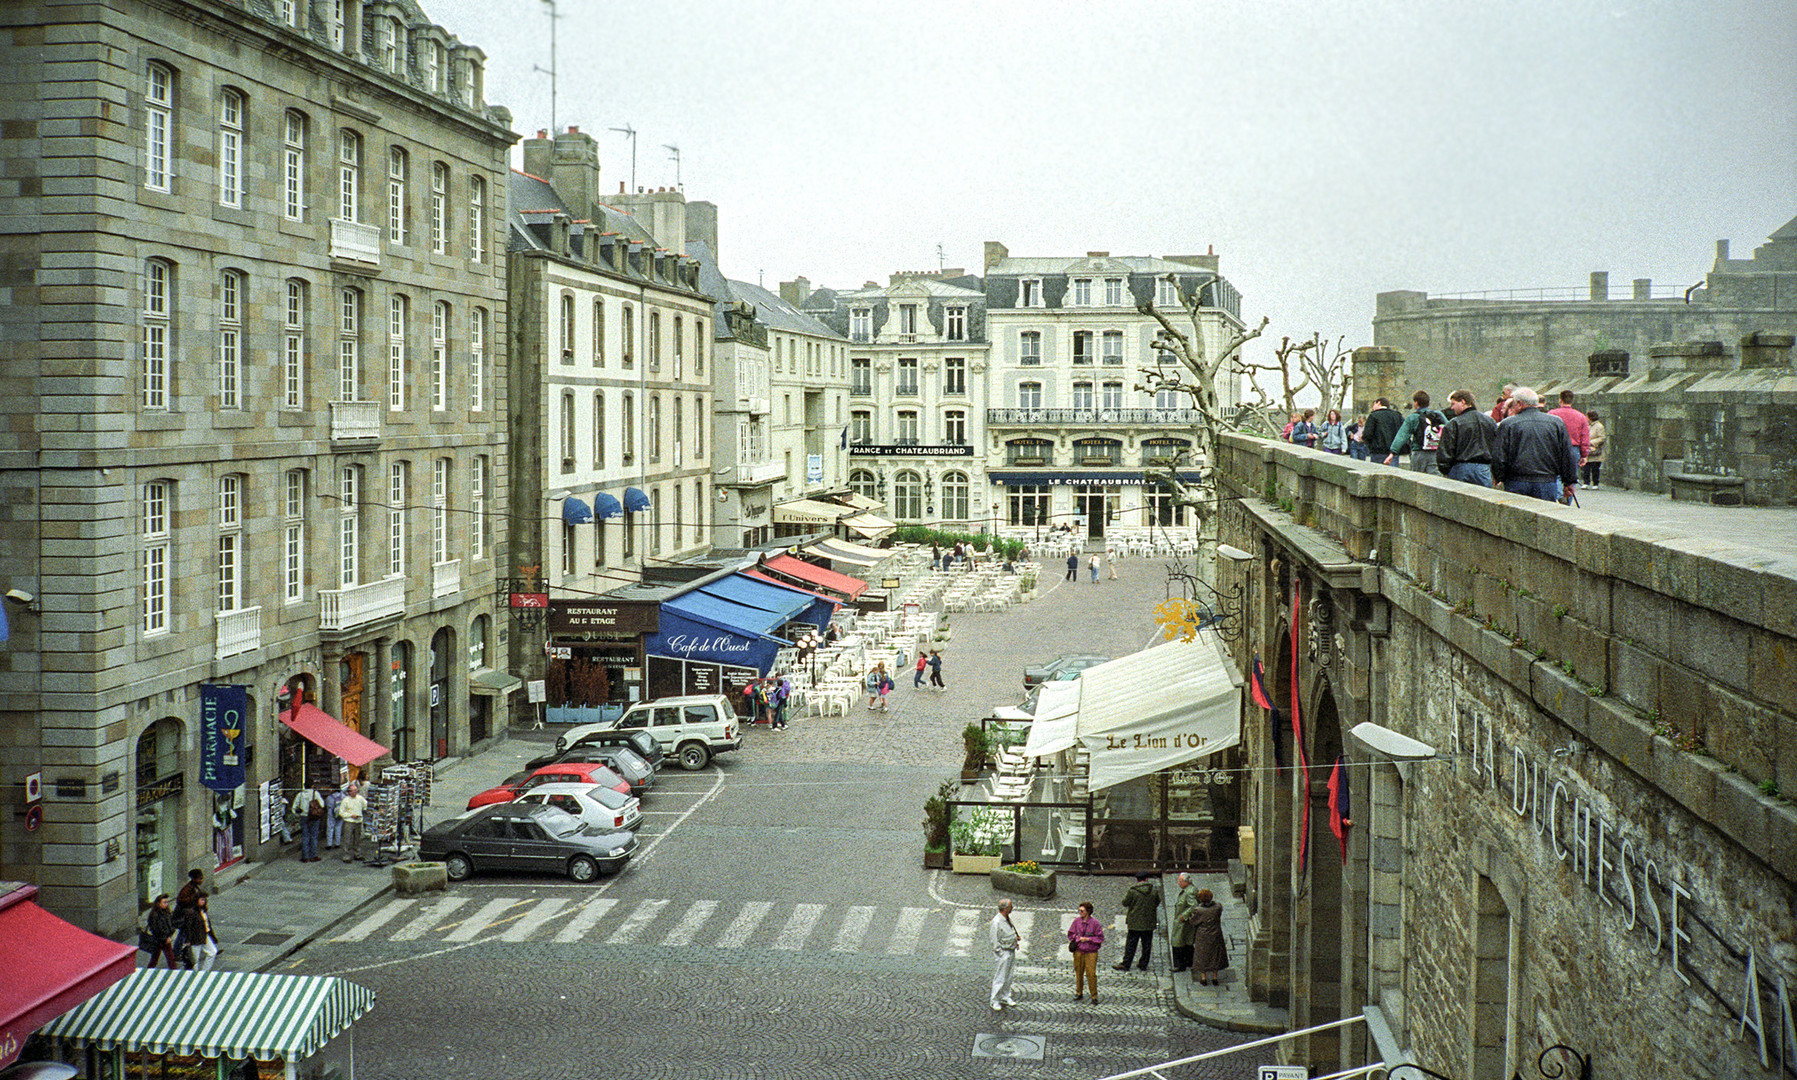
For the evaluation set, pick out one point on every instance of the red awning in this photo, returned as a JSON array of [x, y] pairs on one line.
[[817, 575], [51, 967], [322, 729], [794, 586]]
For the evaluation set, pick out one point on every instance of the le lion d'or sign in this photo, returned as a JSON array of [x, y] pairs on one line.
[[604, 616]]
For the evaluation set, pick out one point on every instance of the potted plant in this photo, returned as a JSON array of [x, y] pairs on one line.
[[975, 747], [1025, 879], [935, 826], [978, 841]]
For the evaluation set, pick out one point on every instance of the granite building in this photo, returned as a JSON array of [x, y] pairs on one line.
[[255, 420]]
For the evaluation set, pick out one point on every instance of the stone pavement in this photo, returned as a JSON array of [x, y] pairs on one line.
[[1772, 529]]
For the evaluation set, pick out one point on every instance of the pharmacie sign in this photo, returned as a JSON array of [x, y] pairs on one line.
[[1635, 878]]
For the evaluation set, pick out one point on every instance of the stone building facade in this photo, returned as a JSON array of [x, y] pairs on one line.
[[1563, 739], [1482, 340], [255, 416]]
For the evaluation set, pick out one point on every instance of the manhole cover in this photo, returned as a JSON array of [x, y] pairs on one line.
[[1028, 1047], [266, 938]]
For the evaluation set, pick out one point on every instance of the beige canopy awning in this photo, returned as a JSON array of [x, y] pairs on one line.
[[810, 512], [1158, 708], [871, 526], [860, 501]]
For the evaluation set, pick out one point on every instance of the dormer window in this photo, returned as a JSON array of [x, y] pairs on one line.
[[1113, 291], [1030, 293], [956, 325], [1082, 292]]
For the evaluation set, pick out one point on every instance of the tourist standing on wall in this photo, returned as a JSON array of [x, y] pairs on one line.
[[1334, 438], [1593, 469], [1467, 442], [1381, 426]]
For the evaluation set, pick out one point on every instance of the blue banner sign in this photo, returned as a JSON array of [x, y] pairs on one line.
[[224, 712]]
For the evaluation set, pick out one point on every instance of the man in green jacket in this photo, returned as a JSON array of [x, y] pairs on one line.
[[1182, 933], [1142, 907]]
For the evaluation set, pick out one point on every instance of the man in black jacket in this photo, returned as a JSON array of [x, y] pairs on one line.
[[1381, 424], [1467, 441], [1535, 455]]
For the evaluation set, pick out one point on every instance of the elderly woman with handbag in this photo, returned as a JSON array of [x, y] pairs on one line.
[[1084, 938]]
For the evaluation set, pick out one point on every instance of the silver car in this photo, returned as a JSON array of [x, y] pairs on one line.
[[593, 804]]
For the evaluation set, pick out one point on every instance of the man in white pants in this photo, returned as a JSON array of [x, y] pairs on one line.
[[1005, 939]]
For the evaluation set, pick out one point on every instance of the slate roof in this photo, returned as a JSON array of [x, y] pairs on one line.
[[770, 310], [1041, 266], [932, 287], [533, 201]]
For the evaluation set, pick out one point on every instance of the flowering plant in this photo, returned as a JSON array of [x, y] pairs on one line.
[[1028, 867]]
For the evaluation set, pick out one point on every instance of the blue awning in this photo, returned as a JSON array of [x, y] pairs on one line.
[[606, 506], [635, 501], [575, 512]]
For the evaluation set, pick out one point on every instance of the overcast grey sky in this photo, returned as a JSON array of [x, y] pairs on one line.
[[1327, 151]]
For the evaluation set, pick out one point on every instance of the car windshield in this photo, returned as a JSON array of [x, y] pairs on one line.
[[558, 821]]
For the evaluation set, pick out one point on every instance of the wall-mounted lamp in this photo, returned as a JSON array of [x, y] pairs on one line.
[[1233, 553], [24, 599]]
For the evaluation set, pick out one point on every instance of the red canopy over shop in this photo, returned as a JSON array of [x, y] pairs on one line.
[[51, 967], [323, 730], [806, 573]]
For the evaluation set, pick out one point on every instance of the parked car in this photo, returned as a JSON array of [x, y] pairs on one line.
[[525, 838], [692, 728], [619, 759], [576, 772], [640, 741], [598, 806], [1061, 667]]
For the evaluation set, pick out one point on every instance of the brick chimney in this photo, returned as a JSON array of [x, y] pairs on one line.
[[574, 171]]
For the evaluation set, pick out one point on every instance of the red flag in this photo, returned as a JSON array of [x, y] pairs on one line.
[[1257, 687], [1298, 735], [1340, 813]]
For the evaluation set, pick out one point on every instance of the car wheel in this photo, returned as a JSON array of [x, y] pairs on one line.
[[693, 756], [583, 869], [458, 867]]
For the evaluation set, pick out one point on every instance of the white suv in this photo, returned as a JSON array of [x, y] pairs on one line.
[[691, 729]]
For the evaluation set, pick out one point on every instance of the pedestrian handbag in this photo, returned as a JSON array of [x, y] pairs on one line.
[[1072, 947], [145, 942]]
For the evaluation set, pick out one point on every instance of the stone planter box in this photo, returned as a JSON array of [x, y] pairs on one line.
[[935, 860], [976, 864], [414, 878], [1040, 886]]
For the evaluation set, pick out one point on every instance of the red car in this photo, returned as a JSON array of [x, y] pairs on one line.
[[568, 772]]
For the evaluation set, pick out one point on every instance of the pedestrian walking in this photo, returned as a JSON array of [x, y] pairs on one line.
[[879, 684], [308, 806], [1110, 559], [1073, 566], [782, 692], [159, 934], [936, 670], [1181, 933], [1334, 434], [198, 928], [185, 900], [923, 659], [1304, 432], [1005, 940], [1093, 566], [1208, 955], [1084, 938], [1142, 913], [333, 825], [349, 812]]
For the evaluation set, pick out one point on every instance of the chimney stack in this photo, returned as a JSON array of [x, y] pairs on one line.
[[1600, 284]]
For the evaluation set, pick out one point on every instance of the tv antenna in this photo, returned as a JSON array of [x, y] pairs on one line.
[[674, 153], [940, 263], [630, 131], [550, 70]]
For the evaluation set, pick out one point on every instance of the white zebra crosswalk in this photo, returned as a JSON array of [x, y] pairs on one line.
[[710, 924]]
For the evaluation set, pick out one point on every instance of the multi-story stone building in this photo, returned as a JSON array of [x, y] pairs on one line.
[[1069, 426], [611, 392], [255, 412], [917, 394]]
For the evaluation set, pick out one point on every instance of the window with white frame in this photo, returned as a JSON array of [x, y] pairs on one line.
[[349, 174], [655, 525], [861, 324], [907, 318], [598, 429], [399, 483], [954, 375], [1166, 293], [627, 338], [1082, 292], [398, 315], [230, 340], [231, 113], [1029, 348], [349, 344], [567, 328], [293, 537], [1029, 395], [627, 425], [598, 331], [290, 12], [397, 167], [293, 346], [861, 427], [440, 511], [1083, 351], [678, 428], [655, 341], [862, 483], [349, 526], [653, 430], [440, 356], [701, 344], [1169, 400], [567, 430], [679, 346], [156, 563], [293, 166], [699, 421], [861, 376], [158, 315], [1113, 347], [955, 325], [477, 219], [1030, 292], [477, 360], [159, 127], [955, 503], [954, 427], [907, 427], [1113, 291], [433, 67], [439, 208], [335, 19], [1111, 396], [387, 42], [478, 531], [230, 542], [569, 540], [1082, 396], [907, 494], [907, 375]]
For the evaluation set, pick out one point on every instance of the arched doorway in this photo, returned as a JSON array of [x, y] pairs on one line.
[[1324, 947], [399, 713], [442, 655], [161, 782]]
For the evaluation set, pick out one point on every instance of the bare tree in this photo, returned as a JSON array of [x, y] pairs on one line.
[[1315, 362]]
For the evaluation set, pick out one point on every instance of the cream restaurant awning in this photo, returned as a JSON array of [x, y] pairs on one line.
[[809, 512], [871, 526], [844, 552], [1158, 708]]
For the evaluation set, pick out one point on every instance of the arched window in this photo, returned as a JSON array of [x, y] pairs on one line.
[[158, 320], [477, 219], [567, 328], [157, 513], [293, 346], [567, 430], [679, 427], [907, 495], [477, 643], [439, 208], [230, 340], [293, 538], [230, 542], [598, 429], [440, 355], [293, 166], [159, 121], [598, 331], [349, 174], [397, 168], [654, 431], [954, 496], [862, 483], [699, 432], [231, 116], [398, 314]]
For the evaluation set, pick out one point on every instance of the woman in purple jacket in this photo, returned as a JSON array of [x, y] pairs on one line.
[[1085, 937]]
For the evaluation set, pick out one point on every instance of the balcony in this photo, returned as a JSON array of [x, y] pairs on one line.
[[906, 390], [355, 242], [355, 420], [862, 389], [358, 605], [905, 339], [760, 472], [239, 631], [1152, 417], [446, 577]]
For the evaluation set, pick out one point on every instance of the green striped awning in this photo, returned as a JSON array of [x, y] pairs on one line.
[[237, 1014]]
